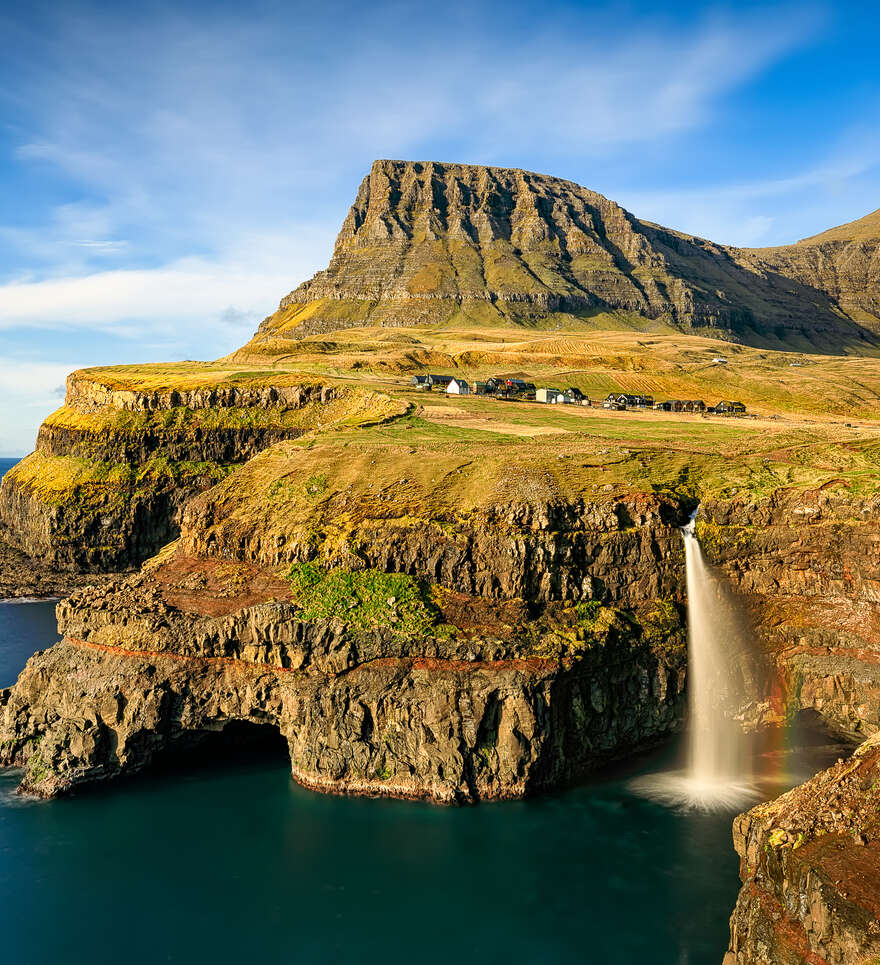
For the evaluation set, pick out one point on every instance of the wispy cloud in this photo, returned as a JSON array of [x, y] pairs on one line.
[[839, 187], [233, 289]]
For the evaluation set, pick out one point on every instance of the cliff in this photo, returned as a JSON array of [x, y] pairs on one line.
[[462, 599], [387, 605], [810, 865], [114, 466], [461, 245], [843, 262], [382, 682]]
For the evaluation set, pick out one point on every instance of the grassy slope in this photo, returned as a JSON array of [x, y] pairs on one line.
[[671, 366], [556, 451]]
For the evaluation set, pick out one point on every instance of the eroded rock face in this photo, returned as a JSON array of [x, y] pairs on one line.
[[475, 716], [810, 865], [426, 242], [113, 468], [807, 565]]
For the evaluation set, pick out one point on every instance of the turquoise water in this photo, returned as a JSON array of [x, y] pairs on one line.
[[230, 862]]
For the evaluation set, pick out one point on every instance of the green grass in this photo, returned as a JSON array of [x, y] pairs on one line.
[[365, 599], [78, 481]]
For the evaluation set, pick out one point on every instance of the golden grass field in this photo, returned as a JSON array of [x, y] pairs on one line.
[[814, 420]]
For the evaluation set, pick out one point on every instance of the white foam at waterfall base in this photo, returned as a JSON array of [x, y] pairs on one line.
[[719, 775]]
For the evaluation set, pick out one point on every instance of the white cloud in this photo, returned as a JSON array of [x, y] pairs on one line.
[[28, 392], [234, 289]]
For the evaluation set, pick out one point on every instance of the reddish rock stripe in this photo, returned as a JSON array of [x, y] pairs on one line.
[[533, 664], [866, 656]]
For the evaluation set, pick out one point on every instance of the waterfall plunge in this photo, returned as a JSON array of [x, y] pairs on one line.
[[719, 772]]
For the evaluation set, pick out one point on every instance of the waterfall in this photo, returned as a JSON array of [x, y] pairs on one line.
[[719, 774]]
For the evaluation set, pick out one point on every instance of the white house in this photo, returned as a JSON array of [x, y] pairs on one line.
[[551, 396], [458, 387]]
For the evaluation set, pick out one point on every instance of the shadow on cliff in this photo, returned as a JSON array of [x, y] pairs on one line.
[[617, 700], [241, 746]]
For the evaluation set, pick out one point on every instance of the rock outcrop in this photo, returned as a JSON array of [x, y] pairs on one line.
[[810, 866], [428, 243], [114, 467], [807, 565], [380, 683]]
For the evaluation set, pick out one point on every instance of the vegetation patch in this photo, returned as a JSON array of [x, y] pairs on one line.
[[365, 599], [663, 627]]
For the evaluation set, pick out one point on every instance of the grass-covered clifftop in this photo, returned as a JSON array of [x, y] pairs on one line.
[[133, 443], [114, 466]]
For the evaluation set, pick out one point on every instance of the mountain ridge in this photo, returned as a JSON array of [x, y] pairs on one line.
[[431, 243]]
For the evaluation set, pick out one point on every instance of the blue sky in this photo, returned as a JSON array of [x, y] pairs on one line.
[[169, 171]]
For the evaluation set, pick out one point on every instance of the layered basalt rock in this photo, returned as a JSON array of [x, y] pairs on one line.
[[428, 243], [501, 707], [810, 865], [114, 467], [844, 262], [807, 565]]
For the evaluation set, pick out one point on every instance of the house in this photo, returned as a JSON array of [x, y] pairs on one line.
[[681, 405], [550, 396], [483, 388], [458, 387], [728, 407], [442, 380], [421, 382], [623, 400], [575, 394], [494, 383]]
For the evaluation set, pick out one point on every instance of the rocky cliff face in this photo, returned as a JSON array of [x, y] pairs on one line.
[[807, 565], [114, 467], [380, 683], [429, 243], [843, 262], [810, 865], [386, 626]]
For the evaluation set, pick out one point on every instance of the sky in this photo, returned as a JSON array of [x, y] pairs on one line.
[[168, 171]]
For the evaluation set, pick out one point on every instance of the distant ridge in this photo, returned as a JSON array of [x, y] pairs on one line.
[[865, 229], [434, 244]]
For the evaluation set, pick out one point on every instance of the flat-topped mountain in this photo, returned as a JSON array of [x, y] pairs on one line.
[[428, 244]]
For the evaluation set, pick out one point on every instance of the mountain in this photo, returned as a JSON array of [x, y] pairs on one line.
[[866, 229], [430, 244], [843, 262]]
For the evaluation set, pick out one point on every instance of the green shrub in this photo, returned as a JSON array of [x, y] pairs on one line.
[[366, 599]]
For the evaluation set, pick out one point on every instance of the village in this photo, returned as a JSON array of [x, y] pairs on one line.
[[514, 389]]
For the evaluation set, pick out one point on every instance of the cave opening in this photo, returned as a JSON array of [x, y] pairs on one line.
[[238, 744]]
